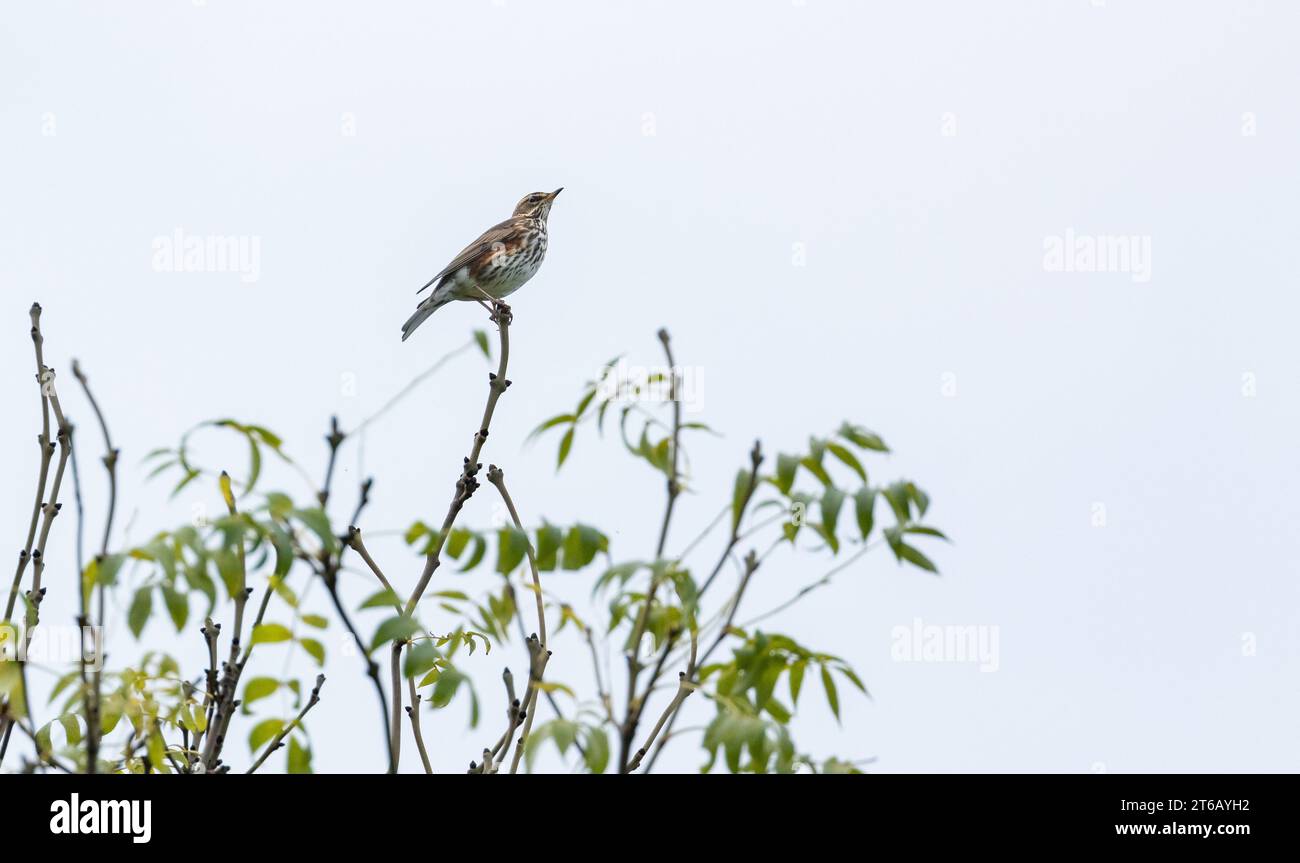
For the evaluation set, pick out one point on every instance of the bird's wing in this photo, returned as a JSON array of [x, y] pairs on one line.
[[500, 233]]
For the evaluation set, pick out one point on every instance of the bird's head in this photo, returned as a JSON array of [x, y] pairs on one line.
[[537, 205]]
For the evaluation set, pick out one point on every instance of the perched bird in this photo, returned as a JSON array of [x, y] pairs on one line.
[[495, 265]]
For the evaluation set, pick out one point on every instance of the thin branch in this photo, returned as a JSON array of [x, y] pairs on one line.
[[514, 713], [111, 454], [539, 655], [755, 461], [674, 479], [627, 730], [410, 387], [44, 510], [465, 487], [279, 738], [225, 702], [497, 477], [468, 483], [354, 542], [809, 588], [335, 440], [605, 700], [686, 684], [413, 712], [670, 715]]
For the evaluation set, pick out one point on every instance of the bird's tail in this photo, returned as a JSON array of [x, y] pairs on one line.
[[426, 308]]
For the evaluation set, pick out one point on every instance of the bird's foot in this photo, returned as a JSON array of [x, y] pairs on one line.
[[501, 313]]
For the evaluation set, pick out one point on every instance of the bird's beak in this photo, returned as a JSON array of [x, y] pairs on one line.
[[556, 193]]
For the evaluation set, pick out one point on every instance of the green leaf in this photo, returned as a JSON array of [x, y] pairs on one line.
[[862, 437], [786, 465], [157, 752], [263, 732], [178, 606], [551, 423], [814, 467], [864, 505], [832, 500], [299, 757], [71, 728], [228, 568], [226, 494], [481, 339], [314, 648], [566, 444], [383, 599], [549, 539], [318, 523], [848, 458], [414, 532], [512, 546], [269, 633], [420, 657], [315, 620], [43, 744], [398, 628], [854, 679], [898, 497], [581, 546], [141, 608], [911, 555], [926, 531], [777, 711], [449, 680], [283, 551], [796, 679], [832, 694], [739, 494], [257, 689], [596, 755]]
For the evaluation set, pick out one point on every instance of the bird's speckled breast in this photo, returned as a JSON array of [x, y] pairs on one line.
[[513, 264]]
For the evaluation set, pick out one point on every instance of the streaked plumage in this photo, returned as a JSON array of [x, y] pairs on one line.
[[495, 265]]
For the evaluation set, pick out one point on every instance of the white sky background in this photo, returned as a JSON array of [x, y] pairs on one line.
[[774, 124]]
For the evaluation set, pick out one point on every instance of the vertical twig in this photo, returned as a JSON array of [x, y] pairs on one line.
[[279, 738], [43, 511], [538, 654], [465, 487], [92, 698], [687, 679], [632, 717]]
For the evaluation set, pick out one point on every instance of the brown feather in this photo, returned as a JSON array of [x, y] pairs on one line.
[[509, 232]]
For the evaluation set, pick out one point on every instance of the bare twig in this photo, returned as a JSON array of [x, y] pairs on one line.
[[354, 542], [284, 732], [670, 715], [809, 588], [43, 510], [674, 477], [627, 731], [465, 487], [231, 669], [686, 684], [111, 454], [755, 461], [413, 712], [539, 655], [411, 386], [335, 440]]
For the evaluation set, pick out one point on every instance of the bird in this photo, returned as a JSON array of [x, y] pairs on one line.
[[495, 265]]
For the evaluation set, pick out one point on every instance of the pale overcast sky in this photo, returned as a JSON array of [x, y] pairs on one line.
[[865, 211]]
